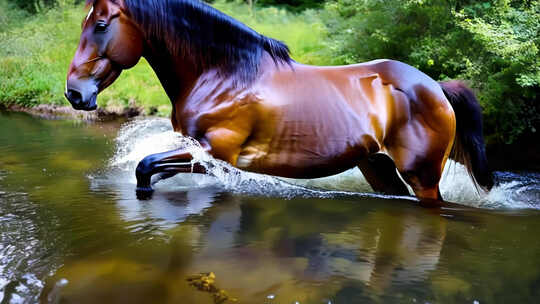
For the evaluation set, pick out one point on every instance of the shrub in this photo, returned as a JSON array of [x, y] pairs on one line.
[[492, 44]]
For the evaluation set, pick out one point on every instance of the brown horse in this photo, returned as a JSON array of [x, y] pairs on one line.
[[247, 102]]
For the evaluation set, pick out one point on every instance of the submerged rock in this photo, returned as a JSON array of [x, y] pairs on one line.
[[206, 282]]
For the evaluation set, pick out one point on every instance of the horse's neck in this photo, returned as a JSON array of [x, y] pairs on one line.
[[191, 93], [176, 78]]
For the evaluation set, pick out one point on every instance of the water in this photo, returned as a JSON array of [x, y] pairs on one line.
[[72, 230]]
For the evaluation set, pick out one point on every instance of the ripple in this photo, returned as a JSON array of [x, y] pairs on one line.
[[21, 251]]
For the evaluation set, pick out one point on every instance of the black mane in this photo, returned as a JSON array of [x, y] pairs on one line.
[[206, 36]]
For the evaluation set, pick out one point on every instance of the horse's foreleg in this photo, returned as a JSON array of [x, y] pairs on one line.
[[381, 173], [167, 164]]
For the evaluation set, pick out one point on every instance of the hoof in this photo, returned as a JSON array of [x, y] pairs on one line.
[[144, 193]]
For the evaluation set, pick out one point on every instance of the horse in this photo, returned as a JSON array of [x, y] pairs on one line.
[[247, 102]]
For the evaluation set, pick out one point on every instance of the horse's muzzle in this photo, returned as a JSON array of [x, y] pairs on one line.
[[81, 102]]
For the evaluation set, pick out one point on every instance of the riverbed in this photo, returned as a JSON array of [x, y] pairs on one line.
[[73, 231]]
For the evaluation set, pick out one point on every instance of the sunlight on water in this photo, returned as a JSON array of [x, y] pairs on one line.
[[142, 137]]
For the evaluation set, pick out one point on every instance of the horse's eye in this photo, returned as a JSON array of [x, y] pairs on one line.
[[100, 27]]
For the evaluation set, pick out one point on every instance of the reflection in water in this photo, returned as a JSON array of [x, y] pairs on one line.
[[256, 250], [383, 252], [167, 207], [378, 249], [72, 231]]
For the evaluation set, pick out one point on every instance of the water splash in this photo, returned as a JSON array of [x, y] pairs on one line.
[[142, 137]]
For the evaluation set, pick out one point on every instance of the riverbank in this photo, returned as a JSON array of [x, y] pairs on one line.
[[48, 111]]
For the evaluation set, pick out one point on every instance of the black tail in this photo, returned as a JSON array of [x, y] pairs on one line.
[[468, 146]]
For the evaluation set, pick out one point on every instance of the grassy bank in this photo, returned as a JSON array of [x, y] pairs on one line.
[[35, 53]]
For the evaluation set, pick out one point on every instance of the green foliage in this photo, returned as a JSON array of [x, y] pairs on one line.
[[492, 44], [9, 15], [34, 6], [294, 5], [36, 51], [507, 68]]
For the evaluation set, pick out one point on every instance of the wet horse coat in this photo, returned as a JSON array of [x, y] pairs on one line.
[[303, 121], [248, 103]]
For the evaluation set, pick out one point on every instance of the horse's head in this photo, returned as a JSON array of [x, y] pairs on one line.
[[109, 43]]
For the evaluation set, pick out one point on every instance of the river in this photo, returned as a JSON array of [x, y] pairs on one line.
[[72, 230]]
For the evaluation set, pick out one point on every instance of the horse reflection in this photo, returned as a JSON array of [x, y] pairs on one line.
[[263, 246], [386, 249], [380, 249], [173, 205]]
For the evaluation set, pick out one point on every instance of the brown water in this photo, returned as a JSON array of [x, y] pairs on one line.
[[72, 230]]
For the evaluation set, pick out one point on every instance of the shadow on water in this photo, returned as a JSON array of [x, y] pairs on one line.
[[73, 231]]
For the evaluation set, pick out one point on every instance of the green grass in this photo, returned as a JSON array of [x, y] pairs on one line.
[[35, 52]]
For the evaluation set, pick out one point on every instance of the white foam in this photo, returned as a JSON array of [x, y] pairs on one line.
[[142, 137]]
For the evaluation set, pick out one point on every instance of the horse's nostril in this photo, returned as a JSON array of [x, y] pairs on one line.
[[74, 96]]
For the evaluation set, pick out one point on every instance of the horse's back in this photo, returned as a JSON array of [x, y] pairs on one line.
[[401, 76], [369, 98], [335, 79]]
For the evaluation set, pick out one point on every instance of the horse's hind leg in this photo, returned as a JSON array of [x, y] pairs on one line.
[[424, 180], [381, 173], [422, 169]]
